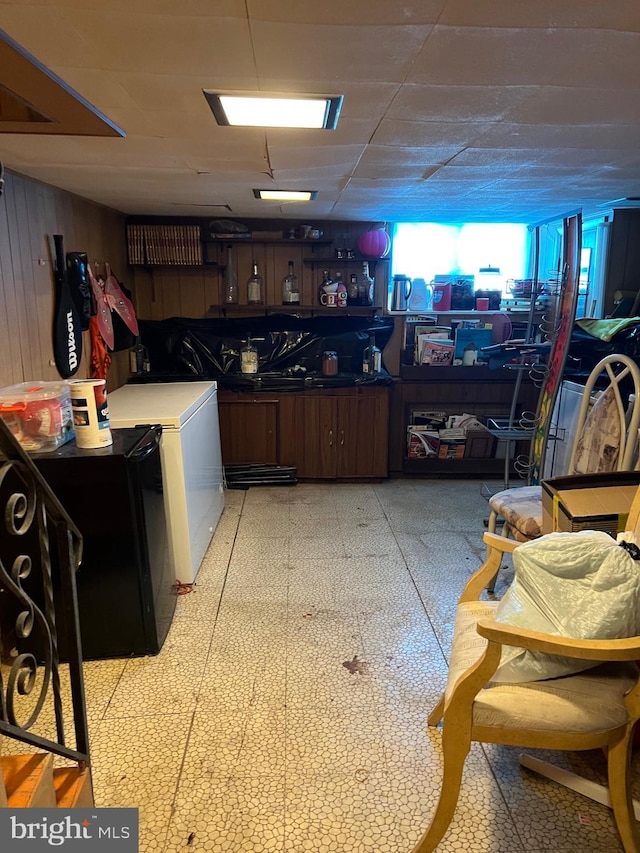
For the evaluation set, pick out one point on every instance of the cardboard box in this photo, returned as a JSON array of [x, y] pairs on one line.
[[39, 414], [588, 502]]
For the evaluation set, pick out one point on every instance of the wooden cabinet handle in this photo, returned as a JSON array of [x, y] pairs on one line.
[[330, 438], [341, 437]]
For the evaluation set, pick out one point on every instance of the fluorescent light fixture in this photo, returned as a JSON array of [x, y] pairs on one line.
[[257, 109], [286, 195]]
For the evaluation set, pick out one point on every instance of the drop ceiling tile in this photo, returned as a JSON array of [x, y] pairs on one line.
[[488, 157], [483, 56], [332, 52], [44, 31], [602, 59], [576, 105], [506, 135], [378, 171], [313, 157], [165, 44], [588, 158], [186, 8], [622, 14], [350, 131], [456, 103], [432, 134], [355, 12], [421, 155]]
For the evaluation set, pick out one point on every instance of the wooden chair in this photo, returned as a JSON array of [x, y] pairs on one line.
[[595, 708], [603, 442]]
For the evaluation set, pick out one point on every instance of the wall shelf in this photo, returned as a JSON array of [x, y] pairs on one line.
[[306, 310]]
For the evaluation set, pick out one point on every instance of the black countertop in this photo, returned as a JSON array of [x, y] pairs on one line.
[[269, 381]]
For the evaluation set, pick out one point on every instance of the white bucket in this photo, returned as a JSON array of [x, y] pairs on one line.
[[90, 413]]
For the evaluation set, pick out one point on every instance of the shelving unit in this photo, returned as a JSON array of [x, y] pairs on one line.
[[303, 310]]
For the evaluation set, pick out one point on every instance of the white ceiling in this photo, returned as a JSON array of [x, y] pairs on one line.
[[454, 110]]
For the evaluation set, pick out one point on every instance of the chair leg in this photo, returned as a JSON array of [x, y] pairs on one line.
[[619, 761], [455, 750], [436, 715]]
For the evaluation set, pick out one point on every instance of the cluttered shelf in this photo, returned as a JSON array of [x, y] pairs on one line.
[[292, 310]]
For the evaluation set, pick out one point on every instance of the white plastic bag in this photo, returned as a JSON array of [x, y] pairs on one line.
[[580, 585]]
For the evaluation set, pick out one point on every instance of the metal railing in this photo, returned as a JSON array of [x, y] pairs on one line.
[[40, 551]]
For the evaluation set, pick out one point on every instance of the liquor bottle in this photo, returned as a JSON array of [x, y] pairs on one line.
[[230, 280], [290, 290], [139, 358], [352, 290], [255, 287], [371, 357], [365, 285], [249, 357], [324, 288]]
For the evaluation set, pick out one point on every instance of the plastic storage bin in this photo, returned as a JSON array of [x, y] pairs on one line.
[[39, 414]]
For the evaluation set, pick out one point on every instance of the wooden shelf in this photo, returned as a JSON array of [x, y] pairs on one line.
[[312, 310], [284, 241], [466, 467], [452, 373]]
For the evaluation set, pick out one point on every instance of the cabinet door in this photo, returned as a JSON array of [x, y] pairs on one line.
[[363, 434], [318, 438], [249, 431]]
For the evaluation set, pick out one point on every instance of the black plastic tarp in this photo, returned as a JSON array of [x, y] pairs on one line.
[[210, 348]]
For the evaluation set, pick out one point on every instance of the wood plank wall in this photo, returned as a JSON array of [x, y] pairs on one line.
[[163, 292], [30, 213]]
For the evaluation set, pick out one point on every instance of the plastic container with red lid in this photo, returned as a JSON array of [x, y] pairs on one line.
[[39, 414]]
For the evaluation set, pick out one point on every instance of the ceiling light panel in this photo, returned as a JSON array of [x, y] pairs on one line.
[[286, 195], [260, 110]]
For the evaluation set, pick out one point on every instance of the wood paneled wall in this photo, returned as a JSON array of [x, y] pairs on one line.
[[30, 213], [163, 292]]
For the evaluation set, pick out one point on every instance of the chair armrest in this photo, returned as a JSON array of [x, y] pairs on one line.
[[498, 546], [605, 650], [507, 546]]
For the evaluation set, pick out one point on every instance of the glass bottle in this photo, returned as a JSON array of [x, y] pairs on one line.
[[290, 290], [138, 358], [371, 357], [325, 287], [249, 357], [230, 280], [352, 290], [365, 285], [255, 287], [341, 292]]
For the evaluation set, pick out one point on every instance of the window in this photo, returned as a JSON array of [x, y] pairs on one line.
[[492, 253]]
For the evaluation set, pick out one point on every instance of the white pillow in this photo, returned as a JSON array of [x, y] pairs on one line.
[[580, 585]]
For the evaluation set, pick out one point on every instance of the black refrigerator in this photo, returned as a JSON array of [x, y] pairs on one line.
[[126, 593]]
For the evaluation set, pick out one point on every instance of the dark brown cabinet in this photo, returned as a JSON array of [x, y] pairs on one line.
[[248, 428], [341, 433]]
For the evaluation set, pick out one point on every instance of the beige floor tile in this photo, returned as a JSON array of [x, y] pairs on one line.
[[287, 710]]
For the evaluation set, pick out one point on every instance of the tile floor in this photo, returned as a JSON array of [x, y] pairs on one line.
[[287, 709]]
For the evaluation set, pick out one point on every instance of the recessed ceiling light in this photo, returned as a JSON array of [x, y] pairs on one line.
[[286, 195], [258, 109]]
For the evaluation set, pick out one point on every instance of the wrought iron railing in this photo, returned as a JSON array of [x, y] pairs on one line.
[[40, 551]]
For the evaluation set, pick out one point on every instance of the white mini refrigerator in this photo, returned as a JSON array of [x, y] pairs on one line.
[[192, 470]]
